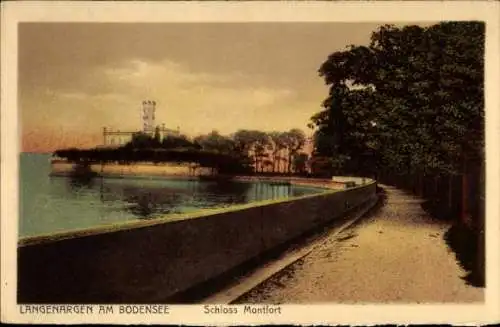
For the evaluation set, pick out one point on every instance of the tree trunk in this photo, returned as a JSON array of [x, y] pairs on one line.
[[420, 184], [274, 162], [480, 260], [465, 188], [278, 161], [450, 192]]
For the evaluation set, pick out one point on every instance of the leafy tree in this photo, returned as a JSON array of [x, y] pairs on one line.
[[294, 140], [157, 136], [321, 166], [141, 140], [222, 163], [411, 82], [410, 107], [177, 142], [300, 163], [215, 142], [261, 145], [243, 140], [277, 145], [253, 143]]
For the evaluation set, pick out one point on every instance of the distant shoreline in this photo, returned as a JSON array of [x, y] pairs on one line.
[[186, 172], [30, 152]]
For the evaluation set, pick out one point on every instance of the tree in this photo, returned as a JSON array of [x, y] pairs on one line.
[[178, 142], [260, 148], [409, 81], [300, 163], [410, 106], [277, 144], [243, 140], [321, 166], [252, 143], [141, 140], [294, 140], [222, 163], [157, 136], [215, 142]]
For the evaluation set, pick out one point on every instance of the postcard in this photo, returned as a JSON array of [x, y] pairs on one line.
[[248, 163]]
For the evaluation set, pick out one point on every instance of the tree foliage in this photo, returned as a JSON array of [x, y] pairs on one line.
[[142, 140], [410, 102], [224, 163], [215, 142], [243, 152]]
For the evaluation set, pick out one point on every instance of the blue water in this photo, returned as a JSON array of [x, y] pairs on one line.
[[55, 204]]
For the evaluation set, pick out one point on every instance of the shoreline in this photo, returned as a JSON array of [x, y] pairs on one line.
[[186, 172]]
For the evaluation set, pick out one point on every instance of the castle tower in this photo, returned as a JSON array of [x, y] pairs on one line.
[[148, 116]]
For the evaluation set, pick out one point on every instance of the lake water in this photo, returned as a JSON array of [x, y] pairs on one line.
[[54, 204]]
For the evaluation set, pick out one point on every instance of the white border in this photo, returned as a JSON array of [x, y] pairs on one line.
[[14, 12]]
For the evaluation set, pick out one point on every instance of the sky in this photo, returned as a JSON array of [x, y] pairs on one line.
[[76, 78]]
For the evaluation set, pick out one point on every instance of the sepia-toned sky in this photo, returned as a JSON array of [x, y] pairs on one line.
[[75, 78]]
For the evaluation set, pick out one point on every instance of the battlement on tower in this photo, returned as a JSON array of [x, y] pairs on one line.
[[148, 116]]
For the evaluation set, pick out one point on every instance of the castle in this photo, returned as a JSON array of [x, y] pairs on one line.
[[114, 138]]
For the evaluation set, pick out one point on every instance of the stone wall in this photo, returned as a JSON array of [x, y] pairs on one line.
[[153, 260], [355, 180], [62, 168]]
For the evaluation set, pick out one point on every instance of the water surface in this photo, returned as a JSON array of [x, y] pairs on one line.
[[54, 204]]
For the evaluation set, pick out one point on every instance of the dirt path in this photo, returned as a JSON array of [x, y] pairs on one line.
[[396, 255]]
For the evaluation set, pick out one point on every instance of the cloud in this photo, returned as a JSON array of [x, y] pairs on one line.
[[184, 97], [73, 95], [140, 74], [82, 96], [75, 78], [197, 102]]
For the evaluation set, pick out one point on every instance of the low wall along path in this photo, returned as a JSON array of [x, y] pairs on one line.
[[396, 255], [150, 261]]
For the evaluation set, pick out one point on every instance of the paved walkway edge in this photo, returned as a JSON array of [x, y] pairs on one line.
[[266, 271]]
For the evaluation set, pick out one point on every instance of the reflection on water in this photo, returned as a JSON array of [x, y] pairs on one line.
[[57, 204], [151, 198], [77, 182]]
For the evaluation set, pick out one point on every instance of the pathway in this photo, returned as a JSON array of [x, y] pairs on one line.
[[398, 254]]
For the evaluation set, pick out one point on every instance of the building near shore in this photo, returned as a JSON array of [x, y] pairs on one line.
[[116, 137]]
